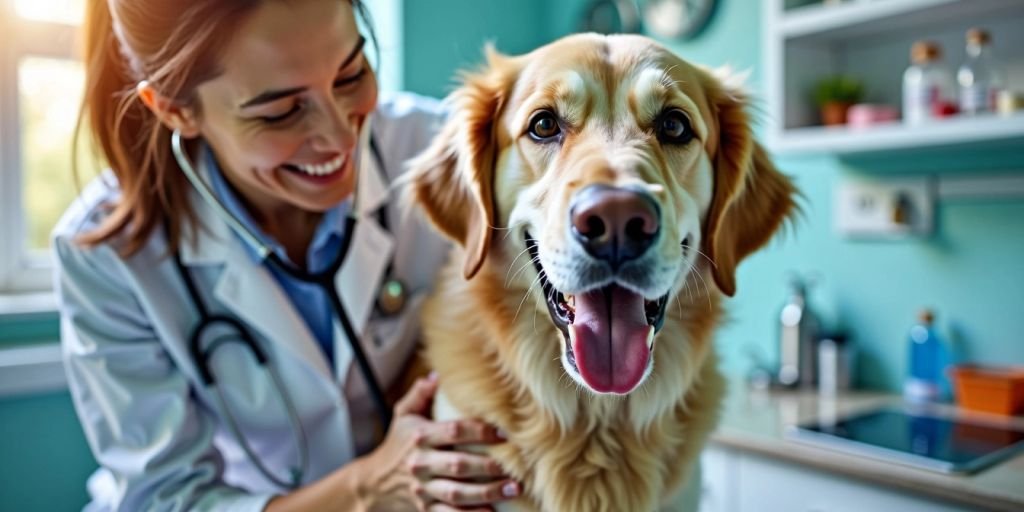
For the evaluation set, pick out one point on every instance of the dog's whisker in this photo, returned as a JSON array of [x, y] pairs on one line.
[[707, 292], [698, 251], [499, 228], [510, 265], [521, 269], [525, 296], [686, 284]]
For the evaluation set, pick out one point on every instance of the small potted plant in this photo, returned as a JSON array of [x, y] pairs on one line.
[[835, 95]]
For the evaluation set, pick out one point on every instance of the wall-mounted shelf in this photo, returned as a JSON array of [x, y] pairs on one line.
[[871, 40], [959, 131], [858, 18]]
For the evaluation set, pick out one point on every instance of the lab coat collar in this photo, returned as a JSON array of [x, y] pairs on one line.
[[248, 289], [360, 277]]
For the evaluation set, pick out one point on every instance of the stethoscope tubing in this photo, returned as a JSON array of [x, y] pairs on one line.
[[201, 357], [324, 279]]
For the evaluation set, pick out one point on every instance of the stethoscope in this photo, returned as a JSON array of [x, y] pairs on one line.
[[390, 301]]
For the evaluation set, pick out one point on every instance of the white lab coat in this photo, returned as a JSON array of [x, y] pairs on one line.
[[155, 430]]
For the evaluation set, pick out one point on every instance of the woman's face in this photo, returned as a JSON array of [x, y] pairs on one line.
[[284, 117]]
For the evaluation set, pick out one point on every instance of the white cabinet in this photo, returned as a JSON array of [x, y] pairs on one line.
[[737, 481], [871, 40]]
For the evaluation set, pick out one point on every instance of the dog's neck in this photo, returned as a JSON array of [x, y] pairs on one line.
[[502, 364]]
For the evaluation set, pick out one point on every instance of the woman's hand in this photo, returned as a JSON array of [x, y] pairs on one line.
[[413, 469]]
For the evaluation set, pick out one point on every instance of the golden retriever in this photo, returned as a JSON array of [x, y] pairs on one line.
[[602, 192]]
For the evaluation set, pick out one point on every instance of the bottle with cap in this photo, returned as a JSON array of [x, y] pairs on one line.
[[928, 359], [927, 85], [798, 334], [981, 76]]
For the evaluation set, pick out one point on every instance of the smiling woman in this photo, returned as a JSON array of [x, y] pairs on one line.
[[270, 110]]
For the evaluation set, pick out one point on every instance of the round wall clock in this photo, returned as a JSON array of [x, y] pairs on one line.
[[677, 19]]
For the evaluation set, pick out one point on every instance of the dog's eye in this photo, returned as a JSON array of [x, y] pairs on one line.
[[544, 126], [674, 127]]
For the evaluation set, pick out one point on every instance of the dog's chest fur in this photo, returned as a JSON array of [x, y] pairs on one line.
[[573, 451]]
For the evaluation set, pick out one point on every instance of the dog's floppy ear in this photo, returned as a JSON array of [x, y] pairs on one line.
[[751, 199], [453, 179]]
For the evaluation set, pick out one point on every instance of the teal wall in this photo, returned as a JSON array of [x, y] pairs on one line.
[[971, 271], [44, 460], [444, 35]]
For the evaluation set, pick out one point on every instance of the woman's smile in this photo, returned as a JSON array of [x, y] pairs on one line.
[[324, 173]]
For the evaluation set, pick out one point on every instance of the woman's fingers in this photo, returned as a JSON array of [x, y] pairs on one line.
[[462, 494], [417, 399], [456, 432], [441, 507], [452, 464]]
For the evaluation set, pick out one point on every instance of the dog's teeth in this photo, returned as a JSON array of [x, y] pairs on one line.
[[650, 338]]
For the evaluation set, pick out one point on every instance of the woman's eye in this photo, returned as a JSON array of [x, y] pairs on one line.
[[341, 82], [544, 126], [282, 117], [673, 127]]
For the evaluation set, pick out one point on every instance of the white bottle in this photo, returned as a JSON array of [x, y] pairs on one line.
[[927, 84], [980, 76]]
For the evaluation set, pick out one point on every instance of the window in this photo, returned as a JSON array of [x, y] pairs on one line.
[[386, 16], [41, 82]]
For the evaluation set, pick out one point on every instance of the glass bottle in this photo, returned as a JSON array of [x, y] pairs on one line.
[[798, 334], [927, 84], [980, 76]]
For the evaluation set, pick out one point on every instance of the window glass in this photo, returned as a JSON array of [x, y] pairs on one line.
[[49, 96], [58, 11]]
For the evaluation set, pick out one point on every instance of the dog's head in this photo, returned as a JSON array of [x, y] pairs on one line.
[[619, 169]]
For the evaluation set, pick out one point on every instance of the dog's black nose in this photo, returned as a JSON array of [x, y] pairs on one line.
[[614, 224]]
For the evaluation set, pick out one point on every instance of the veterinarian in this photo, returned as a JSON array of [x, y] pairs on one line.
[[239, 293]]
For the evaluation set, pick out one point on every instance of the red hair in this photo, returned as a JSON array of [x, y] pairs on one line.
[[174, 45]]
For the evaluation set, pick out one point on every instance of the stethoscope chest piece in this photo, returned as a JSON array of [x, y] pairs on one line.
[[392, 297]]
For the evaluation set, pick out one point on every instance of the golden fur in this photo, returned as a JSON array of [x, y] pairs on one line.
[[487, 331]]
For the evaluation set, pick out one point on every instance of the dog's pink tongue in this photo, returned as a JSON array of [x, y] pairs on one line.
[[610, 339]]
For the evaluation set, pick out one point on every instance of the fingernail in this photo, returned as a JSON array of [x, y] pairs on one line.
[[432, 376], [510, 489], [501, 434]]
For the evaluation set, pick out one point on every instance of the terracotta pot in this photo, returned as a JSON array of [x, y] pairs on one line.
[[834, 113]]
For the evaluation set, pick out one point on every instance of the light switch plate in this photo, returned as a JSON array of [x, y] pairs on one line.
[[884, 208]]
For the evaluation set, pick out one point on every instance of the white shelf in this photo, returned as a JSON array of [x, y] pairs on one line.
[[897, 136], [871, 40], [858, 18]]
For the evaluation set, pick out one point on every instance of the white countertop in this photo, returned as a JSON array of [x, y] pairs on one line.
[[757, 421]]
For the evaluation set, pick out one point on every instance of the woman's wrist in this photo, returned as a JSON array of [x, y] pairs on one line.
[[339, 491]]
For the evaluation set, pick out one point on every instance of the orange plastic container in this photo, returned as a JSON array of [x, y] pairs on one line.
[[992, 389]]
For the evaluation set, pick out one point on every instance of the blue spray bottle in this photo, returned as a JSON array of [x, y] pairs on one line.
[[928, 359]]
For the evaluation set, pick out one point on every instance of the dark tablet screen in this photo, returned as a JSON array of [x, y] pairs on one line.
[[933, 442]]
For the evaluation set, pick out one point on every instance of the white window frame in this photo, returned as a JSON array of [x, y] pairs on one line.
[[387, 25], [22, 270]]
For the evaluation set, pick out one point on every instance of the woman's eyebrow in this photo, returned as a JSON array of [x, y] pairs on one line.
[[268, 96]]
